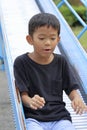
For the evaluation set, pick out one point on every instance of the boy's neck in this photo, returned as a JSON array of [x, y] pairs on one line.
[[41, 60]]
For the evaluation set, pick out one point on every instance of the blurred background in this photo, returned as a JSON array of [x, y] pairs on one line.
[[73, 21]]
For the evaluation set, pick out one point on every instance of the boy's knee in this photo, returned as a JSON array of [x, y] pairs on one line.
[[64, 125], [32, 124]]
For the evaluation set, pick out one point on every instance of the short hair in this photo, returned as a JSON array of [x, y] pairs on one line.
[[43, 19]]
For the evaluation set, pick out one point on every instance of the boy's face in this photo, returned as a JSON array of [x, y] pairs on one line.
[[44, 41]]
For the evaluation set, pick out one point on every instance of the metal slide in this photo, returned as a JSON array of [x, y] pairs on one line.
[[14, 17]]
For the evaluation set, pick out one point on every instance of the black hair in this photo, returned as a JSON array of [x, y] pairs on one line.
[[43, 19]]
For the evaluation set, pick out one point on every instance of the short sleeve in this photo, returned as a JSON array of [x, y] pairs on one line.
[[69, 80], [20, 75]]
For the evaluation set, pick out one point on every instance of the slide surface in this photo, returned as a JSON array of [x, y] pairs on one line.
[[14, 18]]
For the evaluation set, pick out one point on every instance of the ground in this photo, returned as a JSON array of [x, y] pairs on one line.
[[6, 114]]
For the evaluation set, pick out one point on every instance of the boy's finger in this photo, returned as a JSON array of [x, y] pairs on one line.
[[73, 106], [39, 104], [40, 99], [43, 100]]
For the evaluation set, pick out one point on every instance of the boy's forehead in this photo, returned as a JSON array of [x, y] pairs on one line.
[[46, 30], [46, 27]]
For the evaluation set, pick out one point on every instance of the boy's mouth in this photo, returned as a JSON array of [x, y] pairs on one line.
[[47, 50]]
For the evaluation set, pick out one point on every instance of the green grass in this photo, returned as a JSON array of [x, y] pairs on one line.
[[83, 39]]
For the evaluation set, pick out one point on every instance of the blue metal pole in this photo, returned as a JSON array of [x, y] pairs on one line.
[[60, 4], [74, 12], [82, 32]]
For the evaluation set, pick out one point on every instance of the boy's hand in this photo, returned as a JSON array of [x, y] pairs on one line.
[[78, 105], [36, 102]]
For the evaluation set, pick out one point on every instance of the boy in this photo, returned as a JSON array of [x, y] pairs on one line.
[[41, 77]]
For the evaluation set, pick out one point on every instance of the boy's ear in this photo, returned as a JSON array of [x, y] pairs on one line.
[[58, 39], [29, 39]]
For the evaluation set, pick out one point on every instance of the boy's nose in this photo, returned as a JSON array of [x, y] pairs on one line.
[[47, 42]]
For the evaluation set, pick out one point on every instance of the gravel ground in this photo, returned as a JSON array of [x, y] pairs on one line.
[[6, 116]]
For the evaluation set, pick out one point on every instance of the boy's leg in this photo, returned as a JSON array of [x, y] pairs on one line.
[[63, 125], [32, 124]]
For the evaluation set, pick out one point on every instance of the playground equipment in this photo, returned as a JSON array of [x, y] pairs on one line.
[[14, 18]]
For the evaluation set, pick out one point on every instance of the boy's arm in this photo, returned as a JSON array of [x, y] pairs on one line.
[[35, 102], [77, 103]]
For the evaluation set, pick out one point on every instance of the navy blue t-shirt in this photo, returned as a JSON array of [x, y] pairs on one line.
[[47, 81]]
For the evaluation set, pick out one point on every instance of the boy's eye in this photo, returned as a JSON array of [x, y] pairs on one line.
[[53, 38], [41, 38]]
